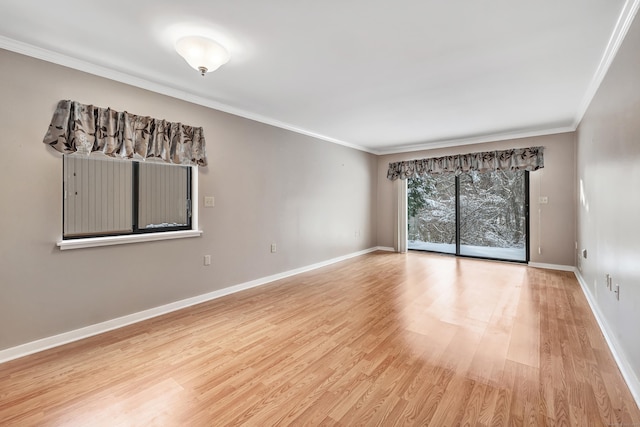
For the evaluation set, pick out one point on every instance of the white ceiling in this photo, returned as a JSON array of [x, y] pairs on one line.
[[375, 74]]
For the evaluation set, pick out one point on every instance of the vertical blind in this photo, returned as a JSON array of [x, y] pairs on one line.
[[97, 196]]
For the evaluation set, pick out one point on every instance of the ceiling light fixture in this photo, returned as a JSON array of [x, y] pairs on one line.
[[203, 54]]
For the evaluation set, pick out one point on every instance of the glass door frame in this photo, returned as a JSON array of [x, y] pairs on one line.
[[458, 223]]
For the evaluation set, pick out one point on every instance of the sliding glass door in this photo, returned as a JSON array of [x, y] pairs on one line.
[[493, 221], [481, 215], [431, 205]]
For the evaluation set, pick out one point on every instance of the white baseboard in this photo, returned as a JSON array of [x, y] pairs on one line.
[[57, 340], [618, 354], [109, 325], [552, 266]]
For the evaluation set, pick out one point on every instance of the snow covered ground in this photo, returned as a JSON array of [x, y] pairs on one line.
[[435, 247], [512, 254]]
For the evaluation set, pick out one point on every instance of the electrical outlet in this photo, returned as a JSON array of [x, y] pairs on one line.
[[209, 201], [274, 248], [207, 260], [543, 200]]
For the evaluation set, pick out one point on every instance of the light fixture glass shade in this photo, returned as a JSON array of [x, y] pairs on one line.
[[203, 54]]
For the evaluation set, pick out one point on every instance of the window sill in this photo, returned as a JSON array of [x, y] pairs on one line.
[[121, 240]]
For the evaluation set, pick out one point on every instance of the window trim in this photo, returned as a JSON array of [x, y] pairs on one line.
[[90, 242]]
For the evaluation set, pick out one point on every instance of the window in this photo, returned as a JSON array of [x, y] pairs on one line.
[[483, 215], [112, 197]]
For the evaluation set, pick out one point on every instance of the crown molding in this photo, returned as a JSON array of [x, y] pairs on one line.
[[118, 76], [621, 28], [629, 11], [494, 137]]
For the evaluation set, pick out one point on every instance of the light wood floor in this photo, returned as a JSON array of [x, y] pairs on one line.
[[383, 339]]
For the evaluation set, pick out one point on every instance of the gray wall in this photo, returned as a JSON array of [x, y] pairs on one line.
[[608, 169], [552, 225], [270, 185], [309, 196]]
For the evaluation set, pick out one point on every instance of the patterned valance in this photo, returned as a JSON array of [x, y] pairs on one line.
[[84, 128], [529, 159]]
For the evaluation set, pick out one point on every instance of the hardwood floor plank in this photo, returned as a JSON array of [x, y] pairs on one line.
[[474, 405], [314, 414], [454, 402], [382, 339]]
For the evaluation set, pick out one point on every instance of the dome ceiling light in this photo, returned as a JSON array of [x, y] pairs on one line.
[[203, 54]]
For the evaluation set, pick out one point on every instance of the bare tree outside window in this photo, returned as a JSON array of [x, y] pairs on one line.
[[492, 214]]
